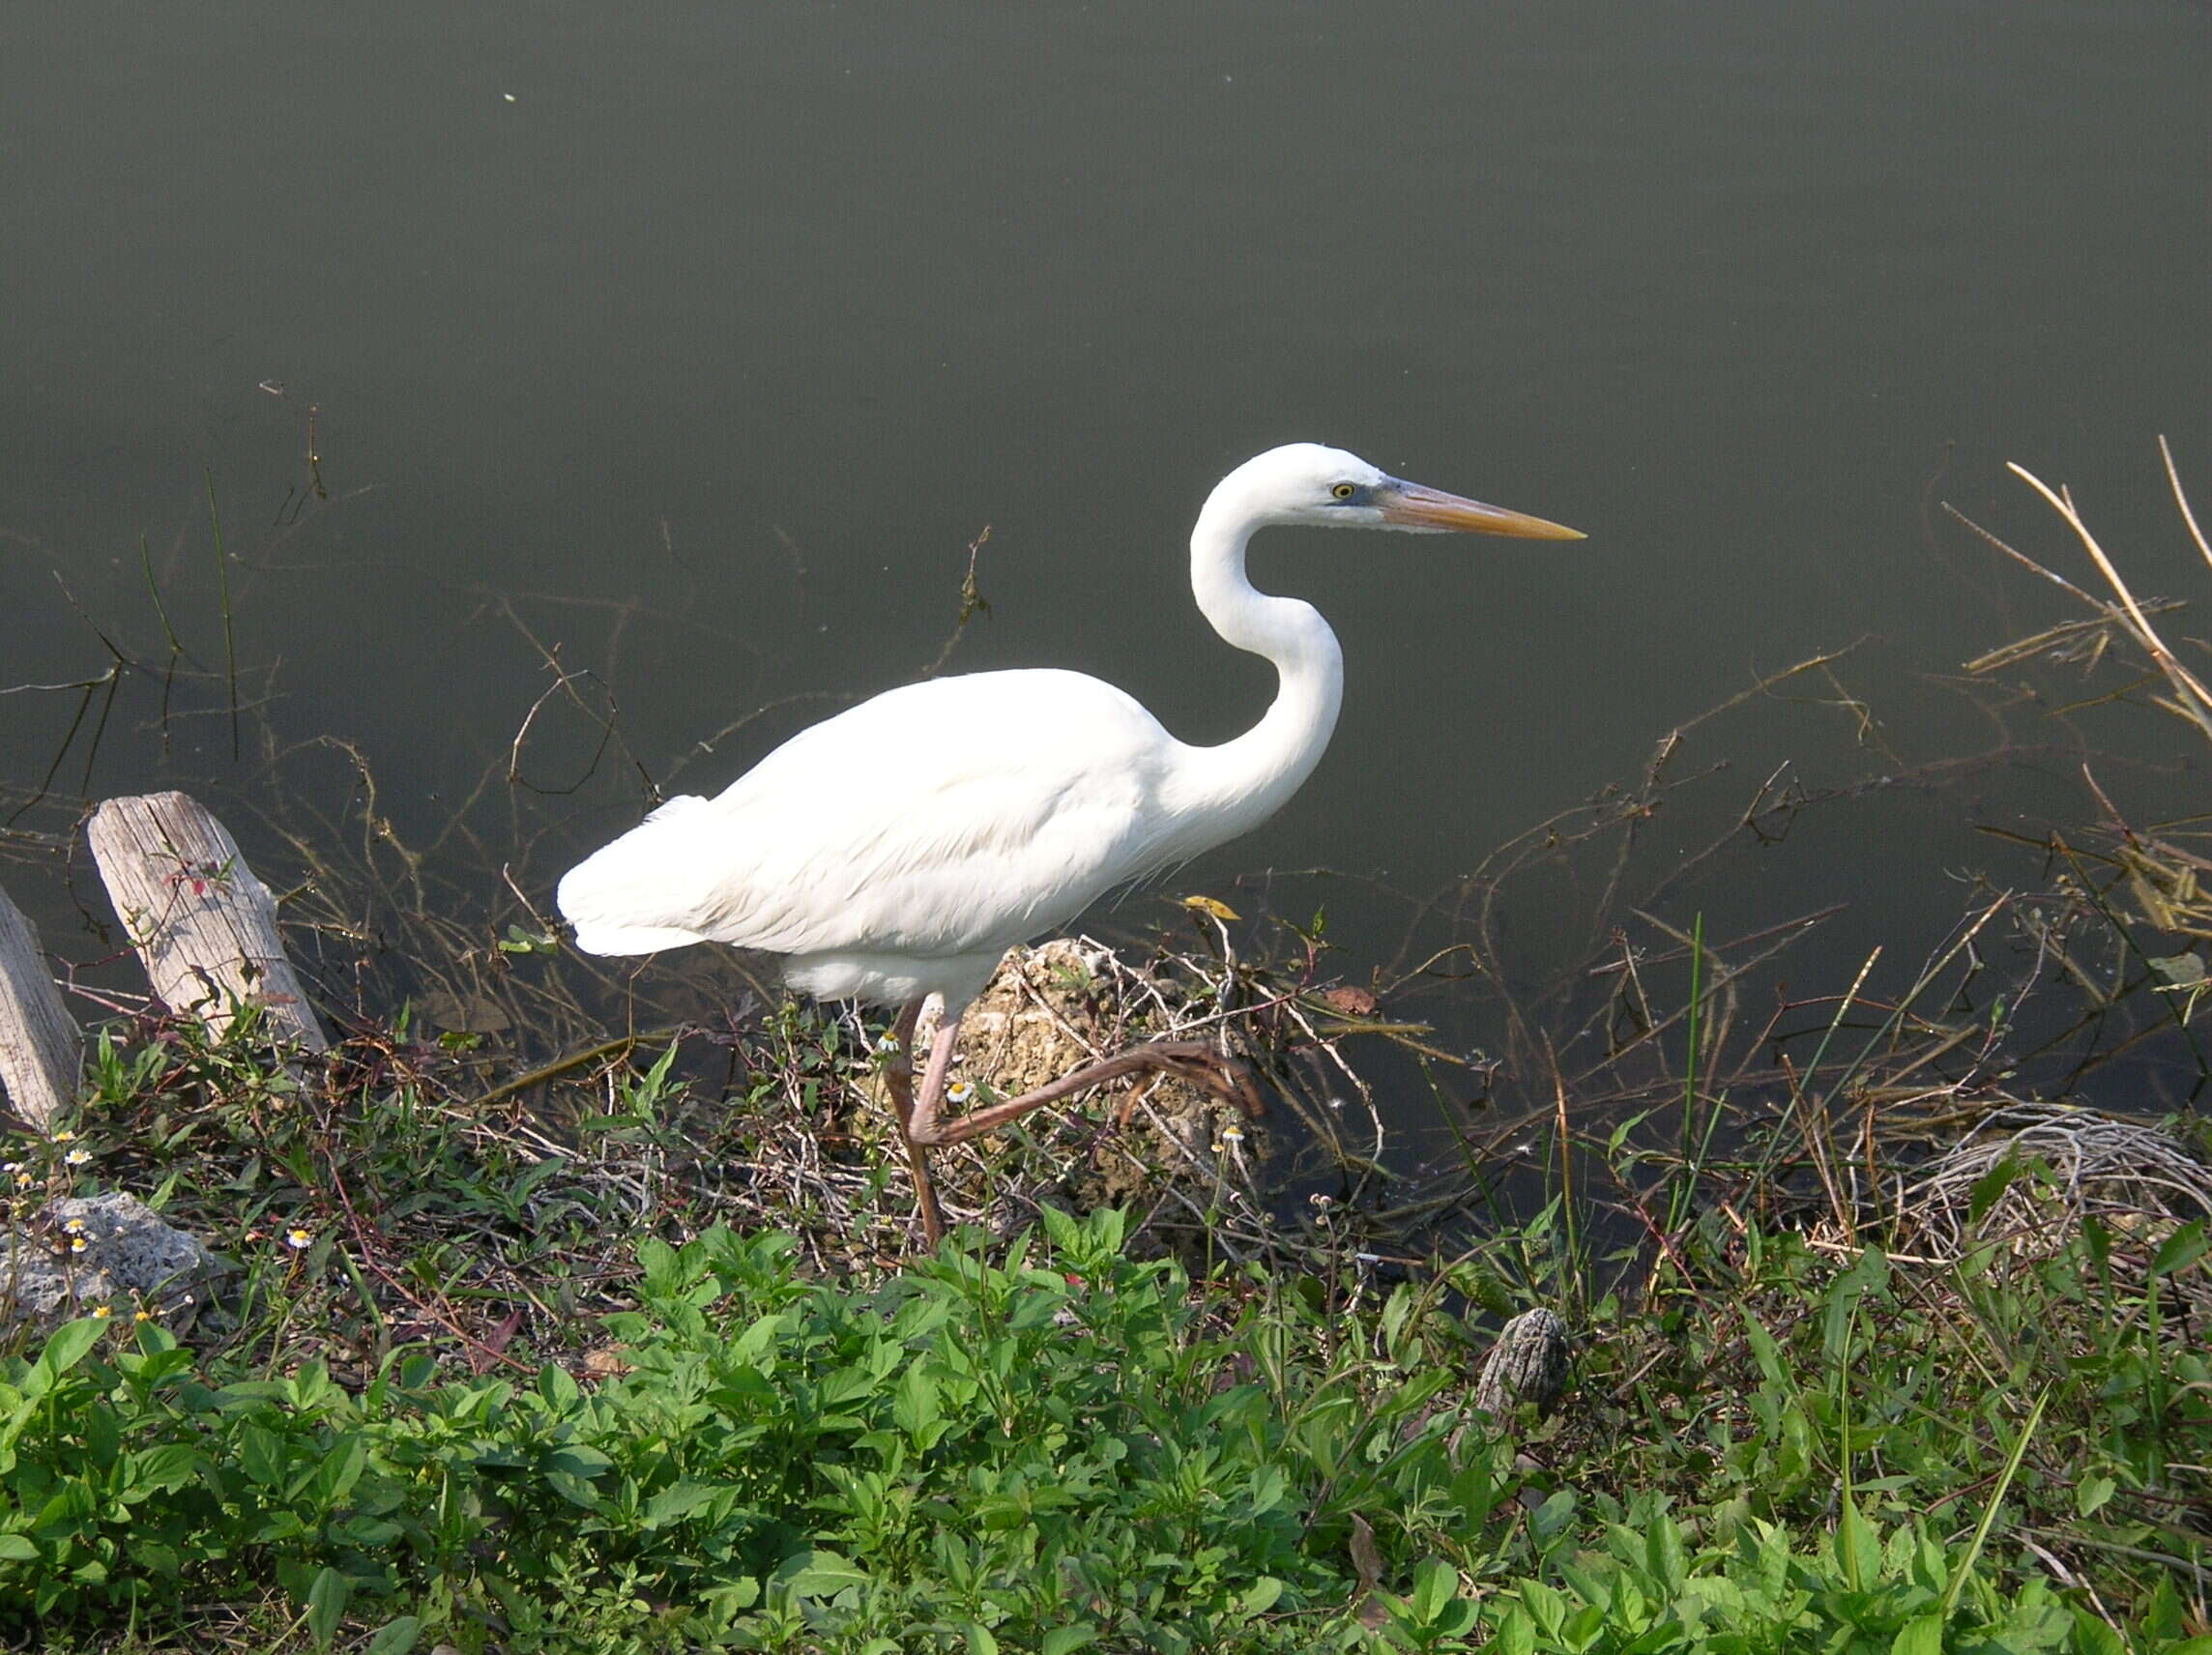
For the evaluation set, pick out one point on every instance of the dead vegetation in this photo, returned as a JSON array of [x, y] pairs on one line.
[[1644, 1067]]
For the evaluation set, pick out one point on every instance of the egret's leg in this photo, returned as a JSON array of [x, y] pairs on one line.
[[933, 1078], [898, 1081], [1192, 1060]]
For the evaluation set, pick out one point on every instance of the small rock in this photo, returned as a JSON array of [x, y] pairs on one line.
[[1529, 1363], [130, 1259]]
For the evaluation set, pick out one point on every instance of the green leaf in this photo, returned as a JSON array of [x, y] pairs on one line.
[[19, 1549], [1395, 1310], [818, 1574], [1923, 1635], [261, 1451], [1110, 1225], [557, 1386], [1064, 1230], [171, 1465], [1268, 1489], [326, 1603], [2177, 971], [1062, 1639], [396, 1636], [579, 1459], [1858, 1545], [913, 1404], [1663, 1553], [1990, 1186], [2092, 1637], [572, 1488], [2183, 1248], [676, 1501], [66, 1345], [339, 1472], [1434, 1584], [1546, 1607]]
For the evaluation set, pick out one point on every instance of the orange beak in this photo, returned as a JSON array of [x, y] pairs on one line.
[[1413, 506]]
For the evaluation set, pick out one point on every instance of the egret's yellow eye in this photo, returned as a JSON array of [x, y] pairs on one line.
[[1344, 492]]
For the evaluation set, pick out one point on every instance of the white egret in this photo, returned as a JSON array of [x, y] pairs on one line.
[[1039, 791]]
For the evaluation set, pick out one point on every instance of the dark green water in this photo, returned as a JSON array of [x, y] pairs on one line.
[[702, 341]]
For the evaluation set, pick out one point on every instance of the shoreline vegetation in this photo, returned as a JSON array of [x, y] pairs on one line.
[[612, 1335]]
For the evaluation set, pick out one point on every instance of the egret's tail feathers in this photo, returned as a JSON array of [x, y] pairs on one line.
[[631, 939], [636, 895]]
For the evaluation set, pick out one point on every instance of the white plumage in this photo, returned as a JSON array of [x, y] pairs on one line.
[[886, 880], [870, 872]]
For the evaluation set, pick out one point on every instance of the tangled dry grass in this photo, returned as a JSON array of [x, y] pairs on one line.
[[2031, 1176]]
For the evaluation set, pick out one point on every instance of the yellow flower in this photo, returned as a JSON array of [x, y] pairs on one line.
[[102, 1311]]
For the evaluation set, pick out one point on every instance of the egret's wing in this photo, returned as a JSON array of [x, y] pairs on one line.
[[960, 814]]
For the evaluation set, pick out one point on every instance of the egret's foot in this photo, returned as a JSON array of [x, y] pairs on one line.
[[1197, 1063], [1191, 1060]]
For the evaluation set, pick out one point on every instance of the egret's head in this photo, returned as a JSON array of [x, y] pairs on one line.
[[1310, 482]]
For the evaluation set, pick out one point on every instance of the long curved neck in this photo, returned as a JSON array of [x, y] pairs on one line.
[[1223, 790]]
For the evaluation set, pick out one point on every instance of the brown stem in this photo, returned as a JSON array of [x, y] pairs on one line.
[[1192, 1060]]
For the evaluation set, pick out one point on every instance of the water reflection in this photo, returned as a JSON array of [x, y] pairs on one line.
[[691, 353]]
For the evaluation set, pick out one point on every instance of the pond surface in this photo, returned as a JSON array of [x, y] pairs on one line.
[[697, 345]]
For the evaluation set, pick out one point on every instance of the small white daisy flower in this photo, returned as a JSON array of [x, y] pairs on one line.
[[78, 1243], [78, 1157], [299, 1240], [959, 1091]]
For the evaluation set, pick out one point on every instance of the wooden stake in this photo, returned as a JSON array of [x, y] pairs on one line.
[[42, 1050], [204, 925]]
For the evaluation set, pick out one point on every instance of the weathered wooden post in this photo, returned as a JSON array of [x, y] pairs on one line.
[[204, 926], [41, 1048]]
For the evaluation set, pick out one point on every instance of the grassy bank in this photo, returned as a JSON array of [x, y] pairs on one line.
[[1773, 1443]]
